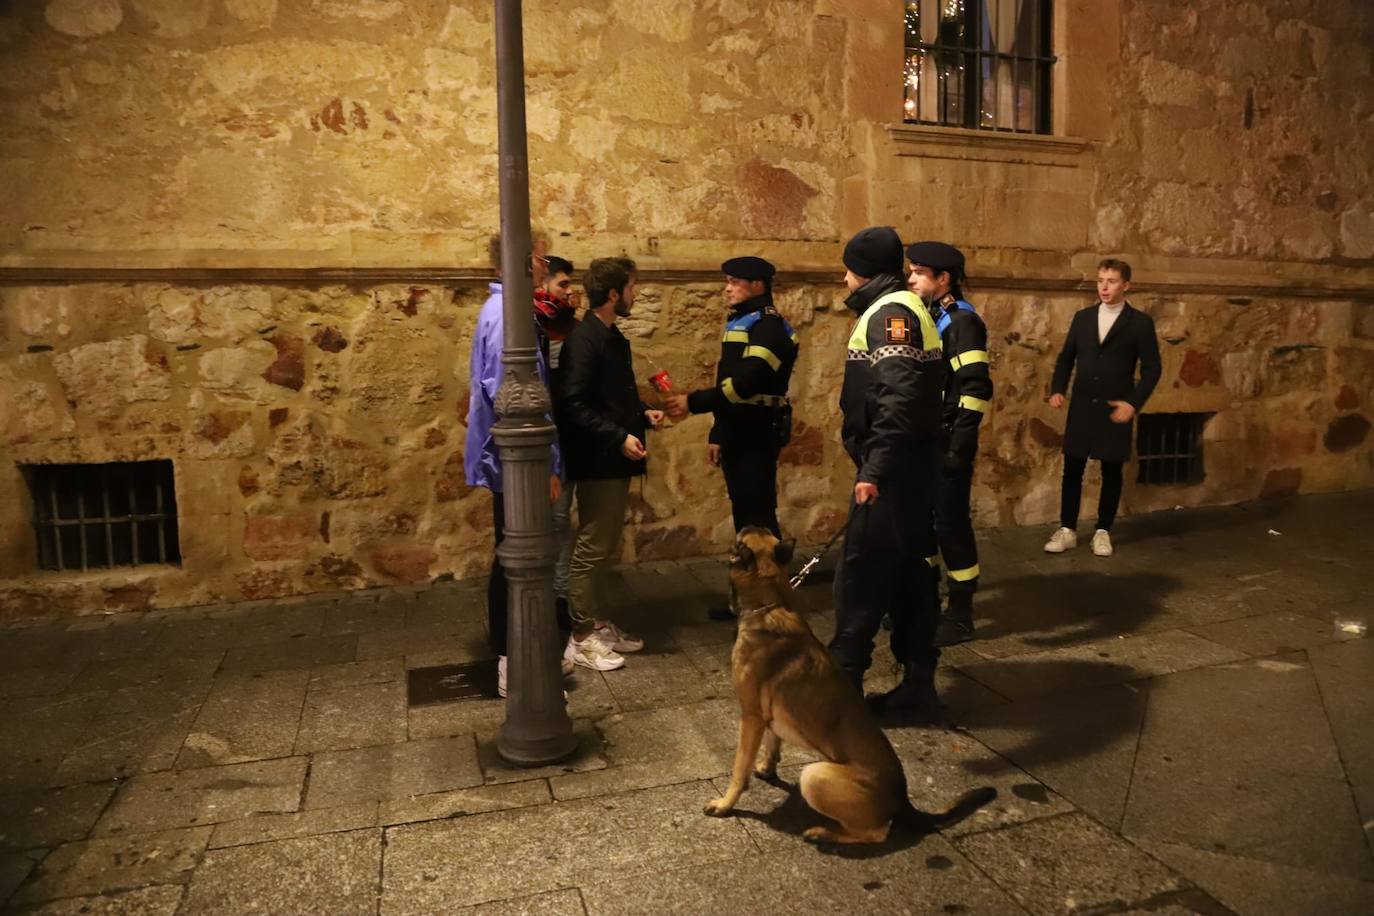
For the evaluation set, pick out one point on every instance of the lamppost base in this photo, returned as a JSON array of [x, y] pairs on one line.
[[530, 750]]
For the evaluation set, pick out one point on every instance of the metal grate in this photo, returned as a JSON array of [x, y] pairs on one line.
[[93, 516], [468, 681], [981, 64], [1169, 446]]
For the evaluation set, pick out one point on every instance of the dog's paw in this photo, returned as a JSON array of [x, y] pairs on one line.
[[816, 835], [766, 772], [717, 808]]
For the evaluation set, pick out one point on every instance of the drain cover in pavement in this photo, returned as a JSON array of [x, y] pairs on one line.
[[470, 681]]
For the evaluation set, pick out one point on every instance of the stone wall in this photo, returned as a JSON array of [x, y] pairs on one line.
[[247, 235]]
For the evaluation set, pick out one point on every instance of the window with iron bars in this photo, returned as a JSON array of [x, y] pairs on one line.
[[1169, 448], [94, 516], [980, 64]]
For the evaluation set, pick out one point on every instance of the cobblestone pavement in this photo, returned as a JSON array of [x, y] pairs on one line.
[[1183, 728]]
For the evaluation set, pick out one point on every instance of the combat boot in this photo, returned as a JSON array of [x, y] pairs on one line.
[[914, 700], [956, 625]]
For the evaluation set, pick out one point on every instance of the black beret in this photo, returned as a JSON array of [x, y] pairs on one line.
[[748, 268], [875, 250], [937, 256]]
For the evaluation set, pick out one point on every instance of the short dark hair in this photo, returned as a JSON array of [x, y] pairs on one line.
[[558, 265], [1117, 265], [604, 275]]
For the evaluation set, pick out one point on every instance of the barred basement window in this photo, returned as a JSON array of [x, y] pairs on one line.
[[92, 516], [1169, 446], [981, 64]]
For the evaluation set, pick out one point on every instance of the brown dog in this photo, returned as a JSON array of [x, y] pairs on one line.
[[791, 690]]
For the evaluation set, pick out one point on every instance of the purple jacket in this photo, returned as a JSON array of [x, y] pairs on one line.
[[482, 458]]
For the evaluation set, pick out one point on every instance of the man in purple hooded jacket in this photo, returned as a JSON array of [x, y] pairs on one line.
[[482, 458]]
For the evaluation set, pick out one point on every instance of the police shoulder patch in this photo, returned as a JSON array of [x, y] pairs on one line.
[[898, 330]]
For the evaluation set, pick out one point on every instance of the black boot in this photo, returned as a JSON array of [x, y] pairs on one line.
[[914, 700], [956, 625]]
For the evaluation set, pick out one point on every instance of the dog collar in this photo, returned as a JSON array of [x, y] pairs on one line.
[[757, 610]]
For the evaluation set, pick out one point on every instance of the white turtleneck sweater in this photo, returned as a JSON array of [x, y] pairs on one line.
[[1106, 317]]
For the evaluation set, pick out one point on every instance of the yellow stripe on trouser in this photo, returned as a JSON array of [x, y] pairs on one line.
[[969, 402], [968, 358], [764, 354], [964, 575]]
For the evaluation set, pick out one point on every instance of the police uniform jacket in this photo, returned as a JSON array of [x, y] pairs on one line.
[[894, 380], [1103, 372], [757, 353], [968, 390]]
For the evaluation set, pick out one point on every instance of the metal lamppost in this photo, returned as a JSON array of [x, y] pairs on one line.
[[537, 729]]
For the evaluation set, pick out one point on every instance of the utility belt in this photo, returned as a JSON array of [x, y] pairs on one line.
[[776, 429]]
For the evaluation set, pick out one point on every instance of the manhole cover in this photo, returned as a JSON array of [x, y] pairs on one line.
[[442, 684]]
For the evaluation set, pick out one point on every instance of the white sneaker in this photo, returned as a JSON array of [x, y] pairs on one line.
[[1062, 540], [1102, 543], [564, 663], [593, 653], [617, 638]]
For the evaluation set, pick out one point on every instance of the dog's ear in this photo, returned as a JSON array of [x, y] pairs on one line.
[[743, 556], [782, 551]]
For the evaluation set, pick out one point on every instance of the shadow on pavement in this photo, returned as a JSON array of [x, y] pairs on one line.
[[1083, 606]]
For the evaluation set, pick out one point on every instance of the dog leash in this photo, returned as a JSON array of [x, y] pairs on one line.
[[810, 564]]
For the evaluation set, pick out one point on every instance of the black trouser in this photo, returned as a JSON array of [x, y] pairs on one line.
[[954, 531], [1072, 493], [883, 572], [498, 588], [751, 479]]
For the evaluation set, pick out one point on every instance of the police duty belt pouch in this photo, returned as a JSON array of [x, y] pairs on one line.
[[782, 424]]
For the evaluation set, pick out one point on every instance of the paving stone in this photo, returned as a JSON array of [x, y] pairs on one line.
[[115, 864], [458, 610], [185, 674], [39, 732], [459, 802], [554, 903], [246, 718], [330, 875], [556, 846], [1271, 634], [392, 771], [305, 652], [51, 816], [1207, 777], [903, 876], [1068, 863], [650, 680], [139, 730], [1253, 886], [261, 828], [15, 866], [354, 615], [205, 796], [1098, 664], [349, 717], [1344, 677], [146, 901], [588, 698], [38, 681], [589, 755], [354, 674], [705, 633], [1081, 745]]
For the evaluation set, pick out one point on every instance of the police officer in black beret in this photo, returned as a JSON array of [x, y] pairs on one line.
[[894, 379], [937, 270], [753, 418]]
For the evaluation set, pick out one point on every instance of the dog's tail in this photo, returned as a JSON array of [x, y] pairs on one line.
[[917, 821]]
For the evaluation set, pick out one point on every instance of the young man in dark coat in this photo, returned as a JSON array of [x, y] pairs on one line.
[[602, 424], [1105, 343]]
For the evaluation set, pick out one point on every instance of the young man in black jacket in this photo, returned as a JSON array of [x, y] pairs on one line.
[[894, 382], [602, 424], [1105, 343]]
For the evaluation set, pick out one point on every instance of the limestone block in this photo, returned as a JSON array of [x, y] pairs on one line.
[[237, 372], [174, 18], [83, 18], [257, 13], [1357, 232], [100, 379]]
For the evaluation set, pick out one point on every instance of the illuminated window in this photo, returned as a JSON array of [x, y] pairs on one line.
[[982, 64]]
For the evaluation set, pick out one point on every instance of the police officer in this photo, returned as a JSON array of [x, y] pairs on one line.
[[894, 376], [937, 270], [749, 399]]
